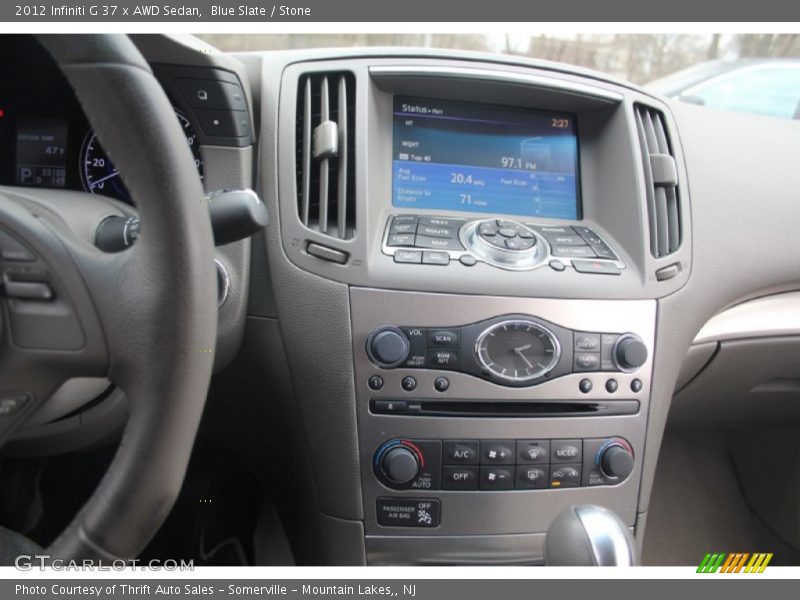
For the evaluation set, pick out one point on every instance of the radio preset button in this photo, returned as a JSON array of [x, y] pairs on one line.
[[441, 384]]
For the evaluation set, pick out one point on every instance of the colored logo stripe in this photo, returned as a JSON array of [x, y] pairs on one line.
[[734, 562]]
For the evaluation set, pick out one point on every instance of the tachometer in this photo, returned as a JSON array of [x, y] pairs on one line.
[[99, 175]]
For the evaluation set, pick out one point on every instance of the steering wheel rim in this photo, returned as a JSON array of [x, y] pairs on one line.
[[159, 296]]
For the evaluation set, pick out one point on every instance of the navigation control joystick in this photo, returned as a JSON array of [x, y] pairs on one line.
[[503, 243]]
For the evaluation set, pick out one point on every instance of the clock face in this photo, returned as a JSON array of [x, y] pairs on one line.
[[518, 350]]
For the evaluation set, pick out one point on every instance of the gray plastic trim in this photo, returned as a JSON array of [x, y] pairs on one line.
[[770, 316], [487, 75]]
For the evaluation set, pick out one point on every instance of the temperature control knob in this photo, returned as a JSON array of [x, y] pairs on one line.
[[388, 347], [630, 353], [616, 461], [399, 465]]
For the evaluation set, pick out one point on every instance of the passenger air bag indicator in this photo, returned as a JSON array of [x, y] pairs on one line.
[[408, 512]]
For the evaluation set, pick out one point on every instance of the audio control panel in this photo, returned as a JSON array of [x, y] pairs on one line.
[[502, 464], [511, 350]]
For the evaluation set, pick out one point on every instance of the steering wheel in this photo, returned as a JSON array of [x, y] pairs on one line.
[[145, 318]]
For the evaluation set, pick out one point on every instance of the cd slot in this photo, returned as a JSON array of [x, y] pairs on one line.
[[493, 408]]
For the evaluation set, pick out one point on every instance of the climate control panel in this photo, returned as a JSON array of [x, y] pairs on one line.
[[512, 350], [502, 465]]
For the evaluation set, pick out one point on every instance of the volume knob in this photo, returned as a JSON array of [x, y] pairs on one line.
[[630, 353], [388, 347]]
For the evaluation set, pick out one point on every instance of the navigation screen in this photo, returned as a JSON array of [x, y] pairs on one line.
[[481, 158]]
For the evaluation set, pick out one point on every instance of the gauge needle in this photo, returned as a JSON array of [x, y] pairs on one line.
[[519, 352], [102, 179]]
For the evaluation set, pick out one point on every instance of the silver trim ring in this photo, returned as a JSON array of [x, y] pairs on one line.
[[224, 279], [553, 363]]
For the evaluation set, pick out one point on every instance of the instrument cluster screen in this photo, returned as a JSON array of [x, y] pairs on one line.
[[461, 156], [41, 152]]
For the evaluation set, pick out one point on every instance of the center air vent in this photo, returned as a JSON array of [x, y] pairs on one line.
[[325, 143], [661, 181]]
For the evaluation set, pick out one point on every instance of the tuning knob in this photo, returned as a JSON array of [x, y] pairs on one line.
[[388, 347], [616, 461], [630, 353]]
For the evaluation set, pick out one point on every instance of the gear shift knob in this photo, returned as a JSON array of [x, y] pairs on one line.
[[588, 535]]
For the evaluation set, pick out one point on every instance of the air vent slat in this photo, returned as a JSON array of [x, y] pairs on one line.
[[660, 181], [306, 168], [341, 198], [325, 153]]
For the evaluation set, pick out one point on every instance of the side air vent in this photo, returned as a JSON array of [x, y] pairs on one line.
[[325, 143], [661, 181]]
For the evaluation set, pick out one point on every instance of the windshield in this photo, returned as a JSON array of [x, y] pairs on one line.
[[670, 64]]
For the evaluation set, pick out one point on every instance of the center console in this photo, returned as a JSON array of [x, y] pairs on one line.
[[503, 233]]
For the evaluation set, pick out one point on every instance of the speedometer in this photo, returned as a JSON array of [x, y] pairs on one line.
[[98, 174]]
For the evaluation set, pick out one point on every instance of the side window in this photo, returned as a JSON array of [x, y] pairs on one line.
[[774, 92]]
